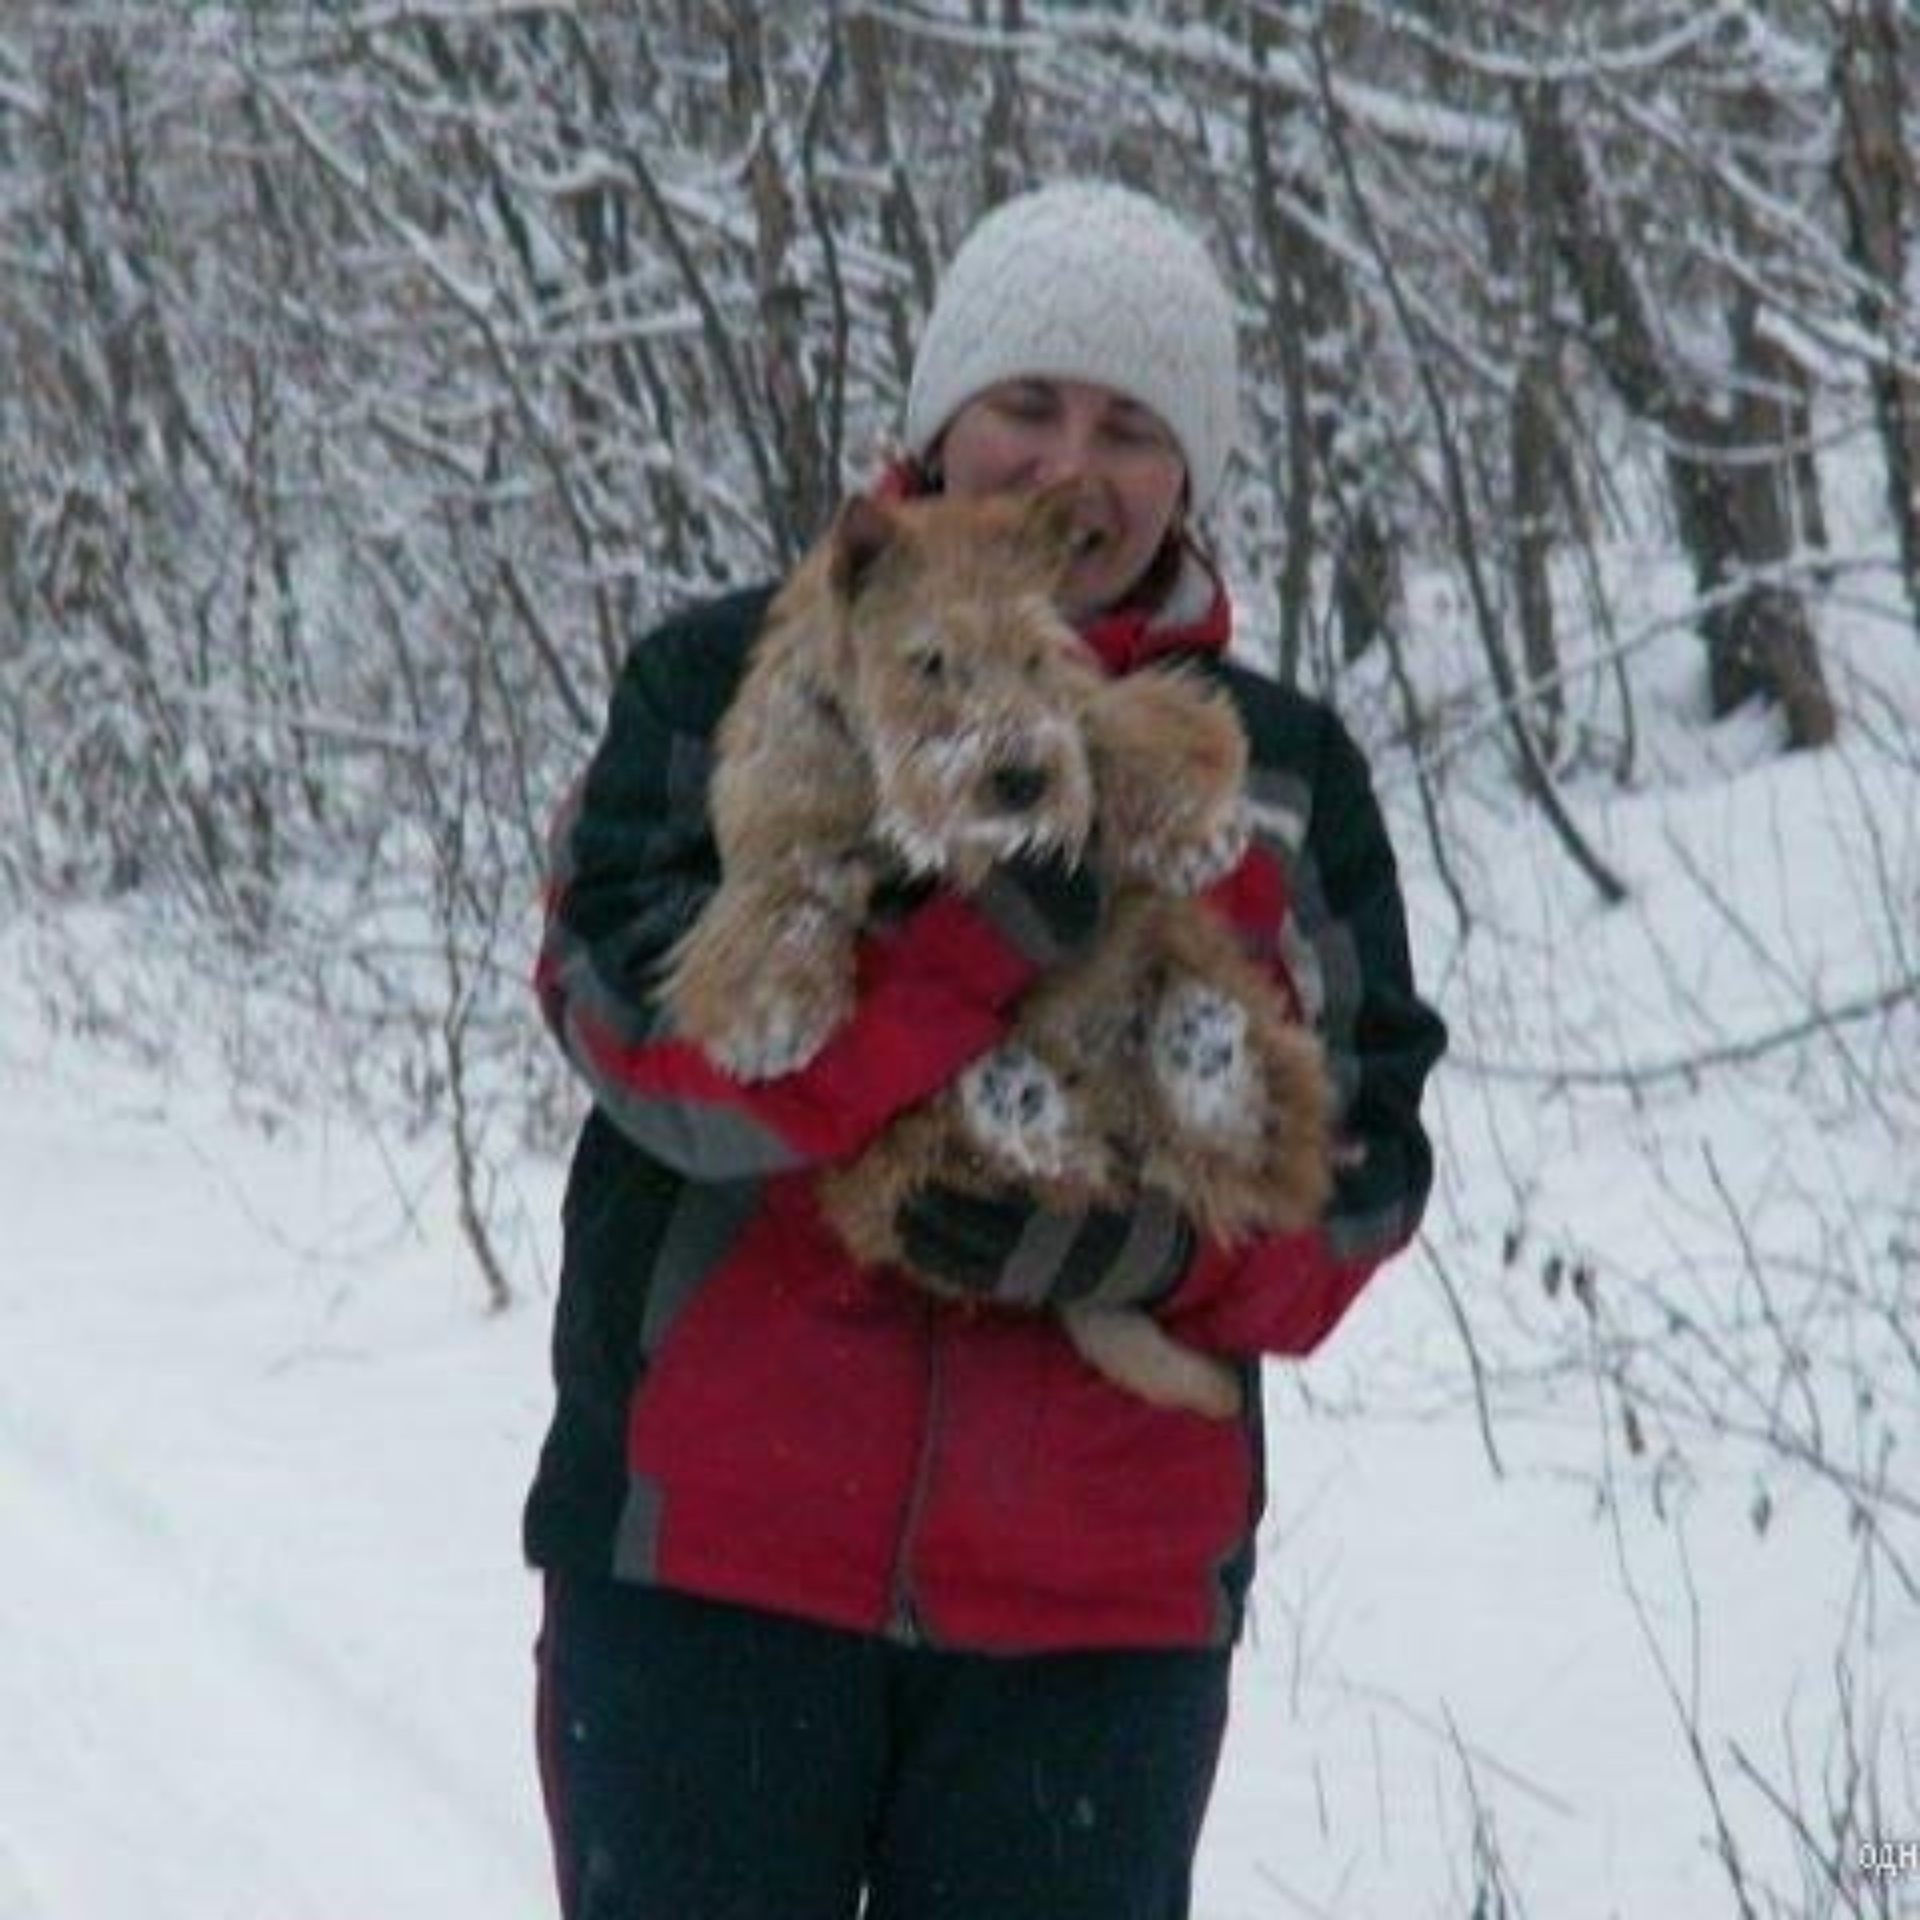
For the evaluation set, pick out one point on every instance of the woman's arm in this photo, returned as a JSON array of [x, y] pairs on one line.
[[1347, 949]]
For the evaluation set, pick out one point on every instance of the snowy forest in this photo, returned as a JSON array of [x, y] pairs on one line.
[[373, 375]]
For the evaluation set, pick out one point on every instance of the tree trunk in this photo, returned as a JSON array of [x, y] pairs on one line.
[[1006, 160], [799, 437], [1534, 461], [1279, 243], [1876, 180], [1324, 362], [1731, 481], [903, 233]]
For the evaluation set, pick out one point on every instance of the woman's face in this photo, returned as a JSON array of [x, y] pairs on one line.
[[1029, 433]]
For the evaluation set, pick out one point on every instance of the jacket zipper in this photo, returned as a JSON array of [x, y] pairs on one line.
[[903, 1615]]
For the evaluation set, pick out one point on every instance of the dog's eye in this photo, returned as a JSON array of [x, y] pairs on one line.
[[930, 663]]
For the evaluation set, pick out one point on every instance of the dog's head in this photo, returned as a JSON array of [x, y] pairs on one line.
[[963, 681]]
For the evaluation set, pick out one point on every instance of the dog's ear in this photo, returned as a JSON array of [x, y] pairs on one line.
[[863, 530], [1047, 525]]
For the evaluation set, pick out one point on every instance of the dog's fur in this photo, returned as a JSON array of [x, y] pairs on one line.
[[917, 704]]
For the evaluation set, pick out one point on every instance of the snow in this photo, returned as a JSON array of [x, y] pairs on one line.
[[265, 1639], [263, 1644]]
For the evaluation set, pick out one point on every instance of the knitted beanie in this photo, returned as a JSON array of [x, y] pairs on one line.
[[1086, 281]]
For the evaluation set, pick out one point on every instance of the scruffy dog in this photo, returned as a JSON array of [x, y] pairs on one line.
[[917, 705]]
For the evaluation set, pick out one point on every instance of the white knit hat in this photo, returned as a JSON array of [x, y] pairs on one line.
[[1085, 281]]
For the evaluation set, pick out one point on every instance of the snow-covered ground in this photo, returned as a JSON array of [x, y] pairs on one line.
[[265, 1641]]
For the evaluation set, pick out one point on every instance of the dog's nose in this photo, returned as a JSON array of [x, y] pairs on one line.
[[1017, 789]]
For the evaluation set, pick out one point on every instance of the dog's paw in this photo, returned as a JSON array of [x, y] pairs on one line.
[[1189, 864], [780, 1039], [796, 1001], [1201, 1058], [1194, 868], [1013, 1104]]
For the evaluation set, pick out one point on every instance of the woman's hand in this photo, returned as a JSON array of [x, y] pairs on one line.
[[1007, 1249], [1047, 908]]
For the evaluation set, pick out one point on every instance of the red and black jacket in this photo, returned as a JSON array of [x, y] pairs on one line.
[[745, 1413]]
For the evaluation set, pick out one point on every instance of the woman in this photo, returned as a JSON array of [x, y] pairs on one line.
[[853, 1594]]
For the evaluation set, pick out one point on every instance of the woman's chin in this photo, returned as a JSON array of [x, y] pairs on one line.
[[1096, 583]]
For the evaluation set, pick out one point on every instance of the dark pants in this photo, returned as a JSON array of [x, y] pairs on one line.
[[712, 1762]]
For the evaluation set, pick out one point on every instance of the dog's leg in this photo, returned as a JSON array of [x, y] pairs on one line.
[[1241, 1104], [1017, 1111], [1133, 1351], [1170, 763], [1199, 1052], [1244, 1139], [764, 978]]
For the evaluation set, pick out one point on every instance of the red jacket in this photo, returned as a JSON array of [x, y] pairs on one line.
[[742, 1411]]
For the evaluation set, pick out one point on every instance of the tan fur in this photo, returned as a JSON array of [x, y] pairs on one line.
[[844, 757]]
